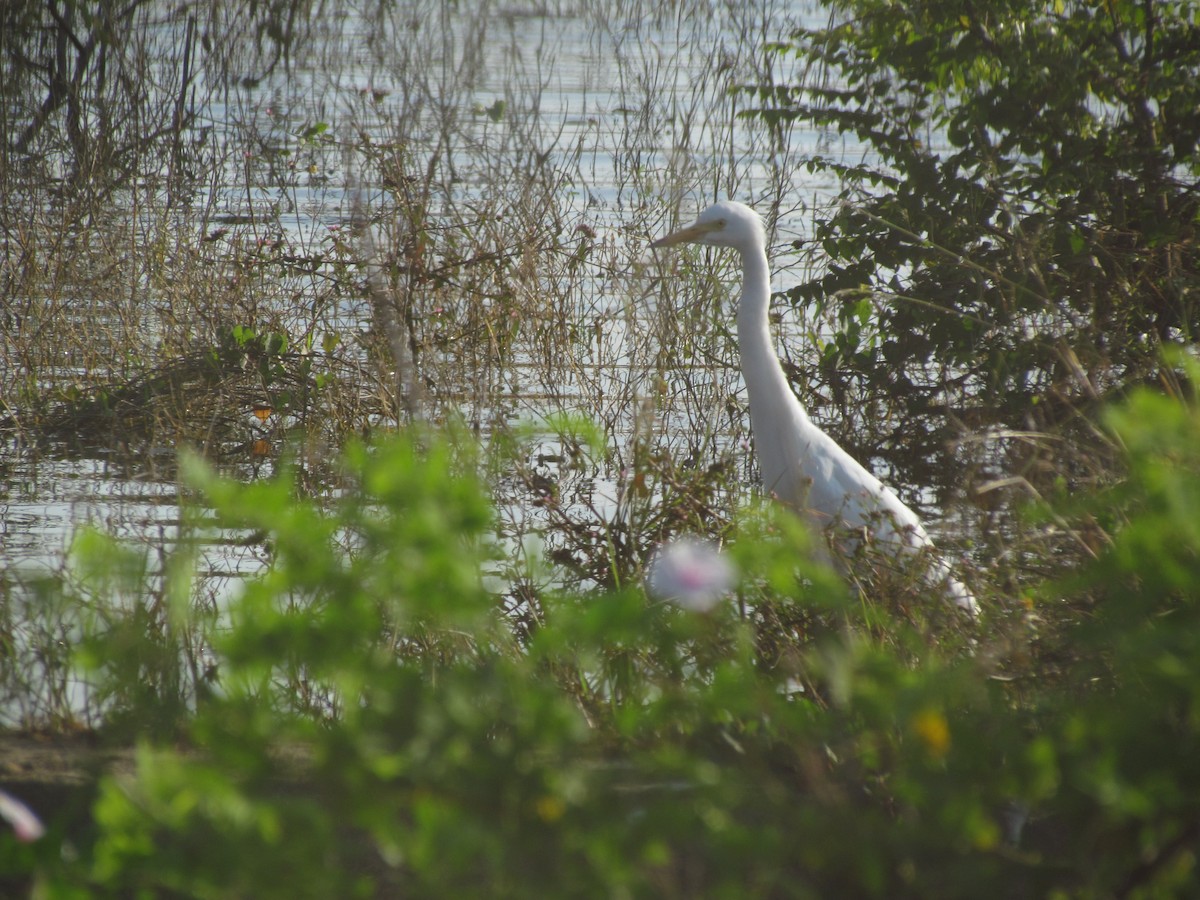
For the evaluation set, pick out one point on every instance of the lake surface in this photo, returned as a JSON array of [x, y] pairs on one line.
[[513, 160], [622, 100]]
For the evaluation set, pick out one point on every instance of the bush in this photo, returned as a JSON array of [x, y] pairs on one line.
[[377, 730], [1013, 239]]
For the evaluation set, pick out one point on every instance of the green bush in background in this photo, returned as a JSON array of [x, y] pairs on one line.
[[1014, 234]]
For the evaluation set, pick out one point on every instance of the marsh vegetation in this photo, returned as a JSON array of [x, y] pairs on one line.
[[346, 316]]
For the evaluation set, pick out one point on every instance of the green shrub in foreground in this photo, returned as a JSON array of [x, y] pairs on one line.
[[376, 730]]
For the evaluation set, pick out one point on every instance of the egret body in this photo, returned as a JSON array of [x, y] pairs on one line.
[[801, 465]]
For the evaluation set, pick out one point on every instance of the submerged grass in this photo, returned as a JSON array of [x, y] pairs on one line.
[[431, 213]]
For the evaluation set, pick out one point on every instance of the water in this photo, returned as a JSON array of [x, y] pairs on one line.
[[515, 162]]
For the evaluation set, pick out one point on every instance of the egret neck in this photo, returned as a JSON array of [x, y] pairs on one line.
[[765, 382]]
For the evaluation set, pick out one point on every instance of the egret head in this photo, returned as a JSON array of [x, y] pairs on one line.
[[724, 224]]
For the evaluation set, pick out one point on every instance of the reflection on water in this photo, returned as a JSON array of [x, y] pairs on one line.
[[182, 257], [583, 108]]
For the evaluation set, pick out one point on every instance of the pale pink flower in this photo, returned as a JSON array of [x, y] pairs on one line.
[[692, 573], [26, 826]]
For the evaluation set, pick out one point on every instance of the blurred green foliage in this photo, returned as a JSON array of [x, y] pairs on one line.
[[376, 729]]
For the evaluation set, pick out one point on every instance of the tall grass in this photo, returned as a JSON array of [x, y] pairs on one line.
[[340, 224]]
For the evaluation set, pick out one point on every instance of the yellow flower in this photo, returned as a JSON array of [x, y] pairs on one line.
[[550, 809], [930, 726]]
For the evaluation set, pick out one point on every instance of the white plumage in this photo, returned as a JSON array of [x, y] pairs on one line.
[[802, 465]]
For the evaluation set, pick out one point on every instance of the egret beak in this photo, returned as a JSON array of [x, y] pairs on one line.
[[693, 232]]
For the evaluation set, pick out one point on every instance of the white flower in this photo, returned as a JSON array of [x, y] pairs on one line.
[[26, 826], [691, 572]]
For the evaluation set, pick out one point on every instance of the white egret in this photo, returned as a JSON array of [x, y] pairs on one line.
[[802, 465]]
